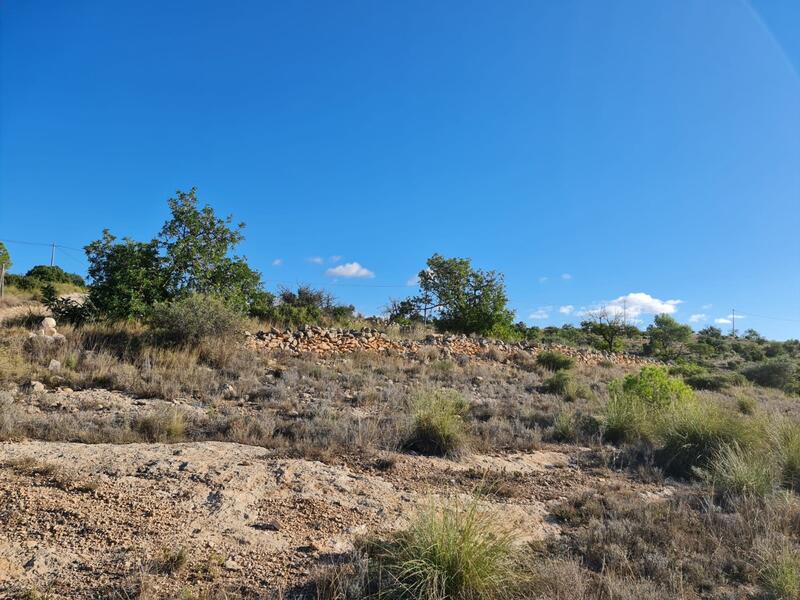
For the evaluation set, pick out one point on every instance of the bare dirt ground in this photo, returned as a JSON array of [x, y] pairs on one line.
[[105, 520]]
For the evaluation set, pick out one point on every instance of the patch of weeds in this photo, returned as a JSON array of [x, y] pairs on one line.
[[170, 561]]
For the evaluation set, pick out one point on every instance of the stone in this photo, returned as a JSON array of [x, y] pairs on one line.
[[54, 366], [35, 387]]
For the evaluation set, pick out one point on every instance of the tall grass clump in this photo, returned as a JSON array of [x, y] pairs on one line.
[[787, 450], [438, 426], [693, 432], [453, 553], [166, 425], [780, 573], [736, 472], [554, 361]]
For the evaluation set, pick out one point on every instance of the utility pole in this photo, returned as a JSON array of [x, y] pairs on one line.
[[2, 280], [53, 254], [733, 322]]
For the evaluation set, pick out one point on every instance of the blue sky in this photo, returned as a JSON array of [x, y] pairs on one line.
[[588, 150]]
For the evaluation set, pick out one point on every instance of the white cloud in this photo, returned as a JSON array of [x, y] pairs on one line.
[[277, 262], [352, 269], [728, 320], [634, 305], [706, 306], [412, 281], [317, 260], [566, 310], [541, 313], [566, 276], [698, 318], [543, 279], [335, 258]]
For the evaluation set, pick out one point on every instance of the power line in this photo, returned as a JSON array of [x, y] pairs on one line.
[[747, 313], [48, 244]]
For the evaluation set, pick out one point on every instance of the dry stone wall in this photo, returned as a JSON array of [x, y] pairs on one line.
[[325, 341]]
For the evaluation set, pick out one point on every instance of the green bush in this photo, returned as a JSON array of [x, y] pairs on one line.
[[438, 423], [735, 471], [554, 361], [776, 373], [455, 553], [638, 402], [194, 317]]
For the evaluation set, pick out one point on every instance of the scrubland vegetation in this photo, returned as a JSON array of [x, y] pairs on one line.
[[717, 417]]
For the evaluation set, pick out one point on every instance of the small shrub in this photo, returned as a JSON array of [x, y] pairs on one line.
[[563, 383], [735, 471], [654, 387], [554, 361], [192, 318], [438, 423], [452, 553], [565, 427]]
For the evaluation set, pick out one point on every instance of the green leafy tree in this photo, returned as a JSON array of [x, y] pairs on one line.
[[192, 255], [198, 255], [609, 326], [464, 299], [53, 274], [5, 257], [667, 338], [127, 277], [403, 312]]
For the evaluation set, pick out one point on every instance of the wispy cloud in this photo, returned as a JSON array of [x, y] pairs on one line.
[[543, 279], [541, 313], [633, 306], [698, 318], [412, 281], [352, 269], [707, 306], [566, 310], [277, 262], [335, 258], [566, 276], [728, 320], [316, 260]]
